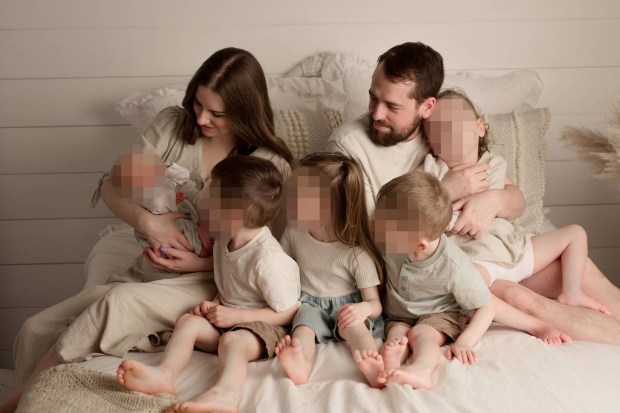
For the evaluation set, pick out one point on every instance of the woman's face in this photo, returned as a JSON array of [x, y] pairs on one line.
[[211, 114], [453, 130]]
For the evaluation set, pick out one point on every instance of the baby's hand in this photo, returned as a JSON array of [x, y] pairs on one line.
[[462, 353], [350, 315]]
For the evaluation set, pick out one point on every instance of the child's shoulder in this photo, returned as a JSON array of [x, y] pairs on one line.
[[266, 245], [460, 263]]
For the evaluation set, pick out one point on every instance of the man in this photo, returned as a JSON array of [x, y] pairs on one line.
[[386, 142]]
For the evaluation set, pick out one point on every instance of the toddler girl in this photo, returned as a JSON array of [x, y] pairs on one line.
[[457, 136], [340, 267]]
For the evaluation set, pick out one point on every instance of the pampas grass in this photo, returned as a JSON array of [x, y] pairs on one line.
[[601, 151]]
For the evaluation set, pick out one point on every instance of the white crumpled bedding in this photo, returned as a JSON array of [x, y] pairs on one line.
[[515, 373]]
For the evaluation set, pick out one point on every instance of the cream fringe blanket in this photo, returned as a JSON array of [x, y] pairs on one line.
[[72, 388]]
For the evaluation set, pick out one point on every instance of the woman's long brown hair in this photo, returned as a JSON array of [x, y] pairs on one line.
[[238, 78]]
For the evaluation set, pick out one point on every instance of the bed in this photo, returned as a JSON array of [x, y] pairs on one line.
[[515, 372]]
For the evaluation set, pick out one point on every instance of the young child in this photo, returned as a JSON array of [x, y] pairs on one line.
[[340, 267], [156, 186], [432, 285], [457, 137], [258, 290]]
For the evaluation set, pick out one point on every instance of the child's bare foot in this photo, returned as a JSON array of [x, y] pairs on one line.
[[549, 334], [146, 379], [582, 300], [289, 354], [371, 364], [382, 377], [214, 400], [393, 351], [417, 377]]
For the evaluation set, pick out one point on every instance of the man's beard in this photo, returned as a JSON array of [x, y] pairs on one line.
[[391, 138]]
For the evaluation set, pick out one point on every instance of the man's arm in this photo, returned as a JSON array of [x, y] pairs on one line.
[[480, 209]]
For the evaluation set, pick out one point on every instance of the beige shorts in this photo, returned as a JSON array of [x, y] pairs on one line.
[[524, 268], [269, 334], [450, 323]]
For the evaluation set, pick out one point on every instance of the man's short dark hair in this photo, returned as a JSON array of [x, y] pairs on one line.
[[414, 62]]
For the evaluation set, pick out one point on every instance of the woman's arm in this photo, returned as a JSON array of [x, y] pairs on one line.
[[179, 261], [159, 230]]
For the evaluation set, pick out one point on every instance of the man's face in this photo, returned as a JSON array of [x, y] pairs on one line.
[[394, 116]]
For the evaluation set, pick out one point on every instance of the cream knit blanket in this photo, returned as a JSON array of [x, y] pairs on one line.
[[72, 388]]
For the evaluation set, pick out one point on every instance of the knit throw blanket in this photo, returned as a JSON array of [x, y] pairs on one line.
[[72, 388]]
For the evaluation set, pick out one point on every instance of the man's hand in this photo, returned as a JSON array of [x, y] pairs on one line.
[[463, 180], [477, 213]]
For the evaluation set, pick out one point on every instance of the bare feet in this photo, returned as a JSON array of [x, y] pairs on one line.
[[371, 364], [418, 378], [549, 334], [289, 354], [582, 300], [392, 353], [213, 400], [146, 379]]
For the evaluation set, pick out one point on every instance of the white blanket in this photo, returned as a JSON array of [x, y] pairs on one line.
[[515, 373]]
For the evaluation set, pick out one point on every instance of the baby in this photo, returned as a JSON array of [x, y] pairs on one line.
[[145, 179]]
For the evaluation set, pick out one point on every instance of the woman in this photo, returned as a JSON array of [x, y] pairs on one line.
[[225, 111]]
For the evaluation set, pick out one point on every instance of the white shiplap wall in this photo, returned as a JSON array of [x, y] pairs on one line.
[[66, 62]]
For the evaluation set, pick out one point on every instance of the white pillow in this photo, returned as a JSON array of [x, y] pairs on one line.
[[285, 93], [514, 91]]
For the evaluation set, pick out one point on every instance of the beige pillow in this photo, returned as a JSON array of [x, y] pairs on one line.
[[306, 131], [520, 138]]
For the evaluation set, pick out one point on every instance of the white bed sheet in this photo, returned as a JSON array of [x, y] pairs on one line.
[[515, 373]]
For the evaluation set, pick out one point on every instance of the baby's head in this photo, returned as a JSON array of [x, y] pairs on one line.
[[412, 210], [455, 131], [137, 175], [244, 193]]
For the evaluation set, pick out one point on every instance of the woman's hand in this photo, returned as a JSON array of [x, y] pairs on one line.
[[160, 231], [351, 315], [224, 317], [178, 260]]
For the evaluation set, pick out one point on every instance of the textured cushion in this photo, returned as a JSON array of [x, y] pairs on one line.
[[519, 138], [306, 131]]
